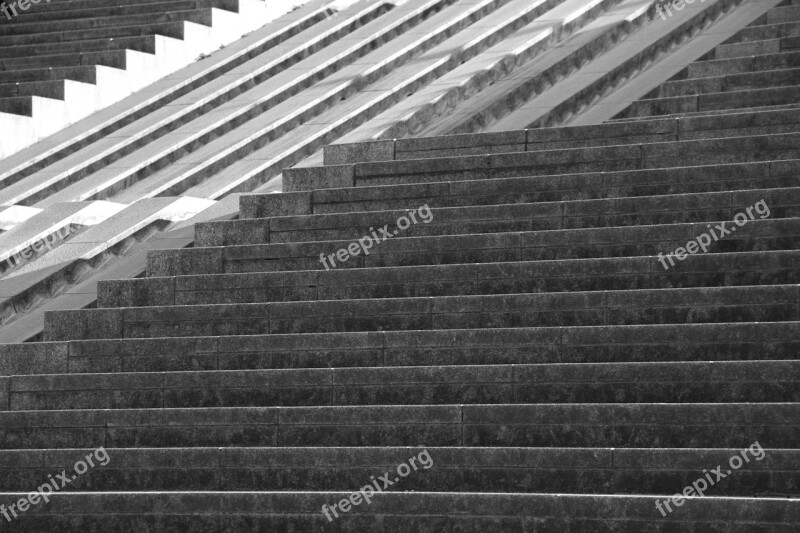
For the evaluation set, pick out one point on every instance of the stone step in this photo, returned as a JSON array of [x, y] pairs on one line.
[[644, 130], [721, 84], [630, 383], [407, 512], [749, 268], [85, 74], [142, 43], [620, 241], [768, 303], [757, 48], [714, 101], [513, 470], [115, 58], [688, 425], [787, 13], [741, 65], [143, 16], [603, 344], [571, 160], [564, 187], [88, 11], [761, 32], [66, 6], [27, 34], [424, 221], [719, 112], [55, 89]]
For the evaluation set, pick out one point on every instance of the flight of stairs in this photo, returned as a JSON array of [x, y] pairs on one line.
[[522, 332], [139, 175]]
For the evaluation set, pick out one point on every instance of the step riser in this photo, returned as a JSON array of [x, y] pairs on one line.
[[660, 182], [534, 190], [408, 512], [764, 32], [641, 211], [590, 471], [82, 11], [145, 43], [571, 425], [764, 47], [548, 384], [743, 65], [708, 342], [610, 133], [168, 29], [538, 163], [484, 248], [732, 304], [43, 28], [623, 274], [728, 83], [714, 102], [528, 190], [109, 58]]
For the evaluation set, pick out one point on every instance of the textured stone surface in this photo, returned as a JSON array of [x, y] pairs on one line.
[[527, 338]]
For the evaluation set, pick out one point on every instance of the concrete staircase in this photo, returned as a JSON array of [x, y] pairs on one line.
[[525, 336], [323, 73]]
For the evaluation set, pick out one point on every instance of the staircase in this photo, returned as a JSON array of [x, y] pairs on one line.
[[498, 331], [138, 176]]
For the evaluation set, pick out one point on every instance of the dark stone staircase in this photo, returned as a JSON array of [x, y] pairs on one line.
[[525, 334]]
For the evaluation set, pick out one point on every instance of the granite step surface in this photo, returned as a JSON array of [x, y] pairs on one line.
[[420, 221], [755, 341], [630, 383], [621, 241], [767, 303], [402, 511], [641, 425], [510, 470], [626, 273]]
